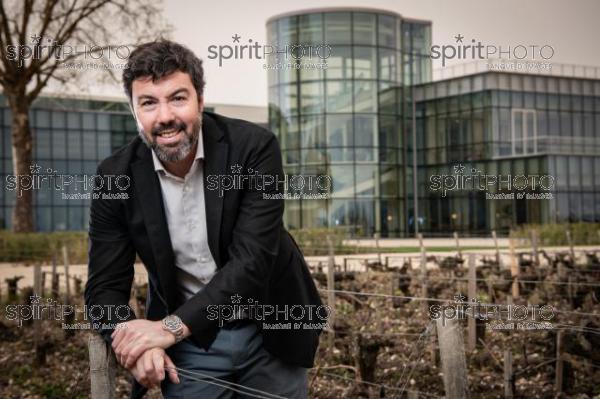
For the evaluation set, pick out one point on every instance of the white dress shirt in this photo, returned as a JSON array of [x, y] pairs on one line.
[[185, 211]]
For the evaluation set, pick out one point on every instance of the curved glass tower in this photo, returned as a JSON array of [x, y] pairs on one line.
[[351, 120]]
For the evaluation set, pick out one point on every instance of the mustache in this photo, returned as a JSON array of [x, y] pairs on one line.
[[173, 125]]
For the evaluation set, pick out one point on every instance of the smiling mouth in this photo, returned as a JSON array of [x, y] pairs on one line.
[[168, 133]]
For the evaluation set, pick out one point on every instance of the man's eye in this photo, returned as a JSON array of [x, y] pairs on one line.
[[146, 103], [179, 98]]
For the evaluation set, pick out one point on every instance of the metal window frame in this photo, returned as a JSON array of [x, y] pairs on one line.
[[525, 137]]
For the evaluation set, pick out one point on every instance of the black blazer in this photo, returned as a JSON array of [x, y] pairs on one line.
[[256, 257]]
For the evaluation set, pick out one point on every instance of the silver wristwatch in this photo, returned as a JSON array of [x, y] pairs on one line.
[[174, 325]]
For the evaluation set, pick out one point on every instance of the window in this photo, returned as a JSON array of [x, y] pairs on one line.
[[103, 144], [342, 181], [311, 98], [364, 28], [340, 131], [387, 31], [365, 129], [74, 144], [524, 131], [339, 64], [337, 28], [365, 63], [291, 136], [365, 96], [367, 180], [42, 140], [42, 119], [289, 102], [339, 96], [387, 65], [313, 134], [73, 120], [288, 31], [311, 28], [59, 144]]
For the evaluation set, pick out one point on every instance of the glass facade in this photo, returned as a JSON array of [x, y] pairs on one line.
[[376, 123], [346, 120], [70, 137], [509, 124]]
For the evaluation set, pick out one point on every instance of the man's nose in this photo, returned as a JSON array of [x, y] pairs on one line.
[[165, 114]]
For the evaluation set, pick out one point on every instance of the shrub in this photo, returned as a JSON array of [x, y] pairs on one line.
[[555, 233], [40, 247], [313, 241]]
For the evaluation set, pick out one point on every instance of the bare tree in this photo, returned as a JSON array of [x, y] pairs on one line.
[[38, 38]]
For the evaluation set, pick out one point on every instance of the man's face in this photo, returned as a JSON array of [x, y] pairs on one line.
[[169, 114]]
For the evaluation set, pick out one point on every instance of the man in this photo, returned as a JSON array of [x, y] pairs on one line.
[[208, 245]]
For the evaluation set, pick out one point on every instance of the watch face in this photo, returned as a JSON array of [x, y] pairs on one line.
[[172, 323]]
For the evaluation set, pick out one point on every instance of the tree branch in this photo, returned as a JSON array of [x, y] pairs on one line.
[[27, 7], [5, 41]]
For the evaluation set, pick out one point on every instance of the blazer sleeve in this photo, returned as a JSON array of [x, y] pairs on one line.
[[253, 249], [111, 260]]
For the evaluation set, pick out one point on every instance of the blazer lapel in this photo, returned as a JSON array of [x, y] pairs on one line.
[[147, 187], [215, 155]]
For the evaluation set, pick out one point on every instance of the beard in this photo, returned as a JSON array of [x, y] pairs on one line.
[[177, 152]]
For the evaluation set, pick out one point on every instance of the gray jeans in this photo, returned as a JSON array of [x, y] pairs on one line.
[[237, 355]]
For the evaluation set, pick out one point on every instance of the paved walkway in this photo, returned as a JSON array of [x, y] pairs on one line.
[[429, 242]]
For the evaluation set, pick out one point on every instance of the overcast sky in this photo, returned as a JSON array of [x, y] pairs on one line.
[[570, 27]]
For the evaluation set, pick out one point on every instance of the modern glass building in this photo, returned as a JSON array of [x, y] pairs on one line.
[[70, 137], [348, 120], [354, 121], [509, 124]]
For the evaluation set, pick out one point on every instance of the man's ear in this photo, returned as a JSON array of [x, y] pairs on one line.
[[137, 121], [131, 109], [201, 104]]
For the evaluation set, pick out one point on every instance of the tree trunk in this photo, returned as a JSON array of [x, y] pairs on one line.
[[22, 149]]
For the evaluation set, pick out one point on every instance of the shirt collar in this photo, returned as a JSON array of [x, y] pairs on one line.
[[199, 154]]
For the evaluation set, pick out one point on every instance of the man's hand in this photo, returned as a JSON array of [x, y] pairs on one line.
[[134, 337], [149, 369]]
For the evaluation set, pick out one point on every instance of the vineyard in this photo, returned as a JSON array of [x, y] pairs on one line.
[[522, 321], [385, 341]]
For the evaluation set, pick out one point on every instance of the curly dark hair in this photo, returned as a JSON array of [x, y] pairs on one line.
[[160, 58]]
